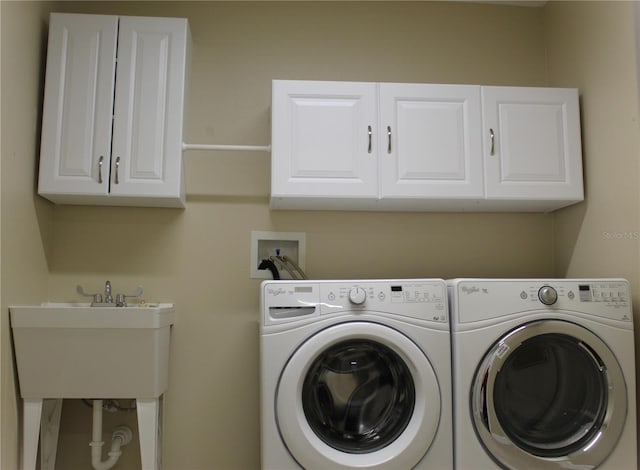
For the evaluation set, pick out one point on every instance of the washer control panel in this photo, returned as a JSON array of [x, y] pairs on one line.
[[414, 298], [424, 299]]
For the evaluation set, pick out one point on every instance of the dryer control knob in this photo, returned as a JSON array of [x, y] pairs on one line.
[[357, 295], [547, 295]]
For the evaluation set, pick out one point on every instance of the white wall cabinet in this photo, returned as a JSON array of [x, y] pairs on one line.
[[430, 146], [113, 135], [390, 146], [323, 149], [533, 151]]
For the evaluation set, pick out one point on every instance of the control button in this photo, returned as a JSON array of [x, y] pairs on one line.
[[381, 296], [332, 296], [547, 295], [571, 295], [357, 295], [523, 295]]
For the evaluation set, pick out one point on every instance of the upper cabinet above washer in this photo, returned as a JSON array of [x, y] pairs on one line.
[[113, 135], [430, 144], [323, 149], [390, 146]]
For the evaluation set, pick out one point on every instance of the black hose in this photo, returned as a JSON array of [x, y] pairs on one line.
[[270, 265]]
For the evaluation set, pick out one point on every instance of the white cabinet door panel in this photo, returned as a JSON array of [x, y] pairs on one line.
[[432, 145], [323, 139], [149, 91], [76, 124], [529, 157], [536, 151]]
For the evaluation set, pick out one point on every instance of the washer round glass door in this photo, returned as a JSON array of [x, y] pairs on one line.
[[549, 394], [358, 394]]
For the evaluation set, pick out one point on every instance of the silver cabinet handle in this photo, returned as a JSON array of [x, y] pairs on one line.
[[117, 177], [369, 133], [389, 139], [100, 162], [492, 136]]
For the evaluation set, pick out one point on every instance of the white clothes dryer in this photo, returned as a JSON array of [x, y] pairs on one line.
[[544, 374], [355, 374]]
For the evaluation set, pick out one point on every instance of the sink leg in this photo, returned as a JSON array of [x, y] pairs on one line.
[[150, 432], [32, 411], [41, 419], [49, 430]]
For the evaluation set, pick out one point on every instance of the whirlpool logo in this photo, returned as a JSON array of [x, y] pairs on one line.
[[473, 289], [275, 291]]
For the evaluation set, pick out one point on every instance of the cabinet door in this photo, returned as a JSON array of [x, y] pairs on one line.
[[78, 104], [148, 112], [324, 140], [431, 141], [532, 144]]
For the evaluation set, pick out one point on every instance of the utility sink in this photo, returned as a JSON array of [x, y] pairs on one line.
[[74, 350]]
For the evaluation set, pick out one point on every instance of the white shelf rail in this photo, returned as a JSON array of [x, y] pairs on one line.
[[227, 148]]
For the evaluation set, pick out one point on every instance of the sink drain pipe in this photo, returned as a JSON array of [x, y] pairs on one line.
[[121, 436]]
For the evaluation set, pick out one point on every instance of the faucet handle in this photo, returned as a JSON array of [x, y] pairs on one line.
[[97, 297], [137, 293], [121, 299]]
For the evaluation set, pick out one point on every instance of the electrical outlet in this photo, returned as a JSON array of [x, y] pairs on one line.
[[266, 244]]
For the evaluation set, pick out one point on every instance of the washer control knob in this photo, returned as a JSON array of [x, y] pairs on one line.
[[357, 295], [548, 295]]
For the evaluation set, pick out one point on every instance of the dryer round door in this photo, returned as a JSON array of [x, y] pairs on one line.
[[549, 394], [358, 394]]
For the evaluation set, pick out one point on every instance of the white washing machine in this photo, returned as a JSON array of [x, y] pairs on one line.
[[356, 374], [544, 374]]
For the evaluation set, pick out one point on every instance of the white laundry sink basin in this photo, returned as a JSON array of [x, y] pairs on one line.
[[73, 350]]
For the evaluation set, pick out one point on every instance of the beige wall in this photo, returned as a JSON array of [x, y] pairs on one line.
[[26, 219], [592, 45], [198, 258]]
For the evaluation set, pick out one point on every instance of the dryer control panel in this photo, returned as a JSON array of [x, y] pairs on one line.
[[481, 299], [612, 293], [603, 292]]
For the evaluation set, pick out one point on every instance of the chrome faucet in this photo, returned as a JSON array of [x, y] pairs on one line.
[[108, 298]]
